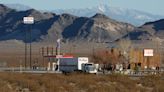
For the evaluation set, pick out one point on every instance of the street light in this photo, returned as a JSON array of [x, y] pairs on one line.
[[28, 20], [58, 52]]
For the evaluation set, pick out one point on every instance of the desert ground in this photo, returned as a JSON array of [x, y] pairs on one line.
[[18, 82]]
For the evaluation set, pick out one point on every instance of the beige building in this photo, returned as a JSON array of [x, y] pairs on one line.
[[137, 58]]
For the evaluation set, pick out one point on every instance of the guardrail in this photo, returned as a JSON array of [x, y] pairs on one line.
[[21, 69], [39, 70]]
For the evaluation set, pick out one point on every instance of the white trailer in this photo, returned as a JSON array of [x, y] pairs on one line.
[[81, 61]]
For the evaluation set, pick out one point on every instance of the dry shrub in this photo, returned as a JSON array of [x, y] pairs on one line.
[[106, 57], [155, 82], [79, 82]]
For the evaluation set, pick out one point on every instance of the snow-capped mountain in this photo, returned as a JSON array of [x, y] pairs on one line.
[[18, 7], [132, 16]]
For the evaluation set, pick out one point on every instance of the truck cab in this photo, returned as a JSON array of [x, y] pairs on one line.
[[89, 68]]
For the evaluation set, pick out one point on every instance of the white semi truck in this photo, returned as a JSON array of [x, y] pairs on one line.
[[82, 64]]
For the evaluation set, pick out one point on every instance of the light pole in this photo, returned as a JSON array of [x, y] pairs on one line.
[[58, 52], [28, 20]]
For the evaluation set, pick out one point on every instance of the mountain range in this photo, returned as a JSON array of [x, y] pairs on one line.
[[49, 27], [131, 16]]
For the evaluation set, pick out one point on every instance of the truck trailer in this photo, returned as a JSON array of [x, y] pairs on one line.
[[68, 65]]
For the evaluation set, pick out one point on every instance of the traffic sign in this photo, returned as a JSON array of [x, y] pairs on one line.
[[28, 20], [148, 52]]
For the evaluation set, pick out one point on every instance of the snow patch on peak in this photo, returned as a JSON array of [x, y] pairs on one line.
[[143, 17], [101, 9]]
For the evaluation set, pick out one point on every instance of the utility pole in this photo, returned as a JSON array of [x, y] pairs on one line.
[[30, 48], [25, 49]]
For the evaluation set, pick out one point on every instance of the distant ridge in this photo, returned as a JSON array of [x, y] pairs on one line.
[[131, 16], [50, 26]]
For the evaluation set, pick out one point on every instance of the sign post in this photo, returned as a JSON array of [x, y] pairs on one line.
[[29, 21], [148, 53]]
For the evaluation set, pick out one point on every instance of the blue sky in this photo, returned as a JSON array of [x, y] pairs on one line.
[[151, 6]]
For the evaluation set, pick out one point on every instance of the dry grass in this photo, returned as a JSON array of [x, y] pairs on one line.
[[10, 82]]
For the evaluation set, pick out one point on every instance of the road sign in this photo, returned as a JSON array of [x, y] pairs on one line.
[[28, 20], [148, 52]]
